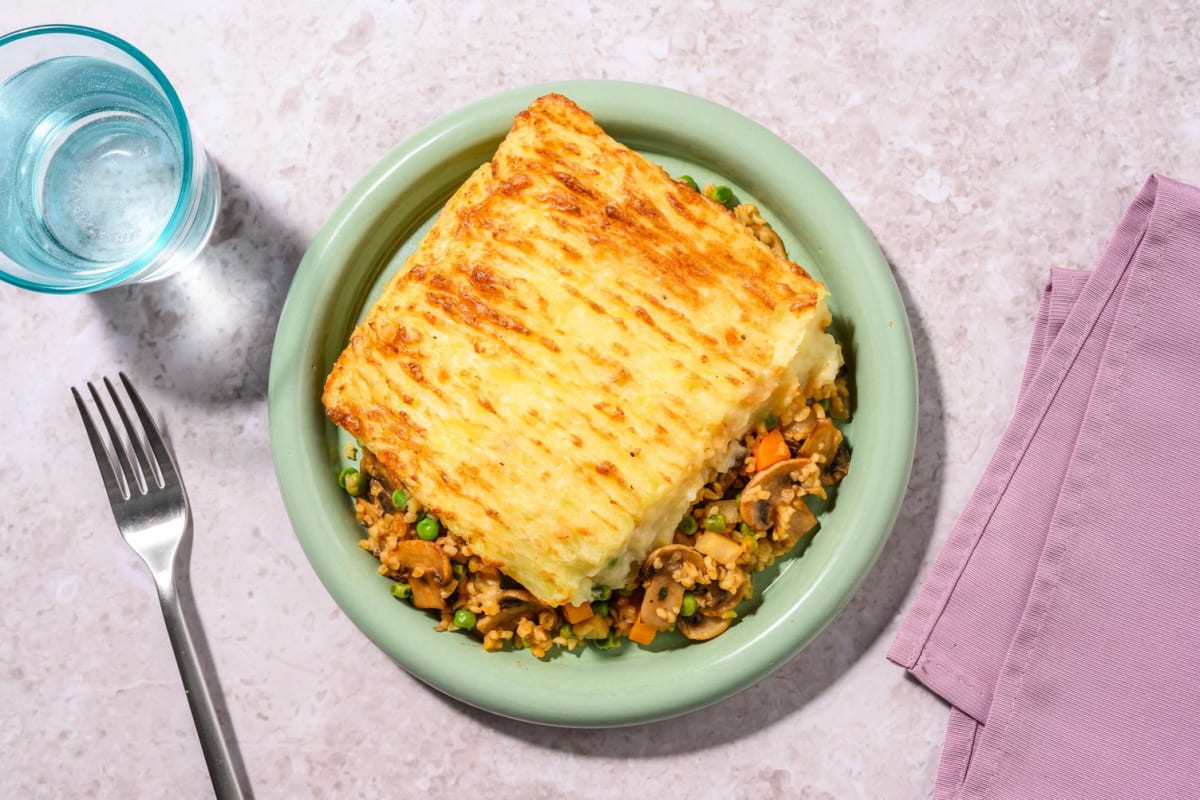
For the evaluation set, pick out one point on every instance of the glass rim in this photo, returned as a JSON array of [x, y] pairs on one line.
[[182, 202]]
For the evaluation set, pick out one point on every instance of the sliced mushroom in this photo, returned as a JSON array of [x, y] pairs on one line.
[[507, 616], [485, 581], [799, 428], [701, 628], [769, 488], [720, 600], [664, 592], [757, 511], [793, 522], [426, 595], [775, 496], [823, 441], [839, 469], [514, 604], [427, 569]]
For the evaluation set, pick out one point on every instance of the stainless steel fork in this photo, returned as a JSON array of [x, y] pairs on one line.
[[151, 508]]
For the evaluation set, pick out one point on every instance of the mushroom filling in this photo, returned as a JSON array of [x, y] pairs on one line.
[[740, 523]]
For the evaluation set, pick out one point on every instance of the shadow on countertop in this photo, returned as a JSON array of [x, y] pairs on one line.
[[207, 332], [818, 666]]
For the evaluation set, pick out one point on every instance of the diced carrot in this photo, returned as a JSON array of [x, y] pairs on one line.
[[577, 613], [771, 449], [642, 633], [824, 440]]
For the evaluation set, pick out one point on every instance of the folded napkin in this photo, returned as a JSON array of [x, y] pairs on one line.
[[1062, 619]]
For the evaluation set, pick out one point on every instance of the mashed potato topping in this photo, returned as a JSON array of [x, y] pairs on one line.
[[581, 353]]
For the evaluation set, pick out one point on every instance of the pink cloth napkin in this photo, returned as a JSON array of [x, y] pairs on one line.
[[1062, 619]]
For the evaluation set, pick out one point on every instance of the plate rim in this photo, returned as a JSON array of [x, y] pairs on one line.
[[293, 376]]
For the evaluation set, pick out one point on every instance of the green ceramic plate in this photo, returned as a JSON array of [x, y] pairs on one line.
[[381, 221]]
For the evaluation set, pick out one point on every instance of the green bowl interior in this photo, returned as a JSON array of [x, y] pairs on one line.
[[381, 221]]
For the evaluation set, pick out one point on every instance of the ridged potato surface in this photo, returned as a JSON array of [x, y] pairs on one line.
[[571, 352]]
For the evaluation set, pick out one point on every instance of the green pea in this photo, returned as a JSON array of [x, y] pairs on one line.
[[355, 483], [600, 609], [715, 522], [601, 592], [345, 473], [464, 619], [745, 530], [458, 570], [428, 528], [566, 631], [771, 421], [689, 605], [401, 591], [690, 182], [611, 642], [723, 195], [687, 525], [400, 499]]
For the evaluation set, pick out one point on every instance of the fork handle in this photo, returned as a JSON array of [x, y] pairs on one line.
[[226, 781]]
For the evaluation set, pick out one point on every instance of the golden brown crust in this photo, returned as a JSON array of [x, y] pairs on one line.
[[574, 339]]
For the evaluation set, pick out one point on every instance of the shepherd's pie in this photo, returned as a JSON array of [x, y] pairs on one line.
[[574, 351]]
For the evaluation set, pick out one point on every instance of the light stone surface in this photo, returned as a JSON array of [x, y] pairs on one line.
[[982, 143]]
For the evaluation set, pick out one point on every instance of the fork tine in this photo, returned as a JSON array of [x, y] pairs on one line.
[[137, 449], [112, 484], [128, 473], [162, 456]]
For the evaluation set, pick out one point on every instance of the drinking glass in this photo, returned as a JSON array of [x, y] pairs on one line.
[[101, 181]]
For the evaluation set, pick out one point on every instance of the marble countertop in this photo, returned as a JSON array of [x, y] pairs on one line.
[[982, 144]]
